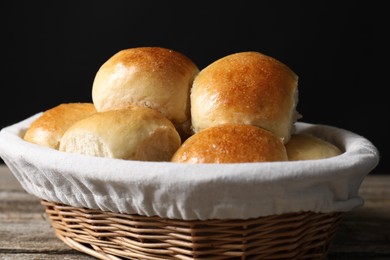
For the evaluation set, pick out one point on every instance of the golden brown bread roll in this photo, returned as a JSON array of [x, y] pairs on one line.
[[231, 143], [309, 147], [246, 88], [154, 77], [48, 128], [133, 133]]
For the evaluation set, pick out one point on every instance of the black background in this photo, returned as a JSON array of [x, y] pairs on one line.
[[51, 51]]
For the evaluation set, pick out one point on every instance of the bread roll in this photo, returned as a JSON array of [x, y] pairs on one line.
[[48, 129], [309, 147], [231, 143], [153, 77], [133, 133], [246, 88]]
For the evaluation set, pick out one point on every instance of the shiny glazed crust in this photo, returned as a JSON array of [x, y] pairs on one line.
[[153, 77], [48, 129], [246, 88], [231, 143], [133, 133]]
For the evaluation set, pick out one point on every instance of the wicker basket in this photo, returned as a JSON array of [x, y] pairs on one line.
[[108, 235], [166, 214]]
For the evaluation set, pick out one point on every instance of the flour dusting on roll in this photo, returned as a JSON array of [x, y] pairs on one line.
[[133, 133], [246, 88]]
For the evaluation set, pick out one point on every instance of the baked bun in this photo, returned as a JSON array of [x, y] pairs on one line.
[[231, 143], [48, 128], [309, 147], [154, 77], [246, 88], [133, 133]]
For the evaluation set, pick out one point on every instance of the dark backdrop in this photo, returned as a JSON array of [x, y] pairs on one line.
[[51, 51]]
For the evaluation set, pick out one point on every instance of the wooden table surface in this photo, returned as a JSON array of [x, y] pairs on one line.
[[25, 233]]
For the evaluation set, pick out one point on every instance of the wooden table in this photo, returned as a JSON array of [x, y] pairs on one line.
[[25, 233]]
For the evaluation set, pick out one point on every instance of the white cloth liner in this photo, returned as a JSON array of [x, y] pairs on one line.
[[194, 191]]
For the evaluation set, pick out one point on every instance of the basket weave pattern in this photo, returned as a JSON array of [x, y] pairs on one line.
[[108, 235]]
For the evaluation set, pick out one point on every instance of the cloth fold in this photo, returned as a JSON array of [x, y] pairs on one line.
[[194, 191]]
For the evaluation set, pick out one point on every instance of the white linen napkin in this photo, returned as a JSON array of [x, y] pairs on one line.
[[194, 191]]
